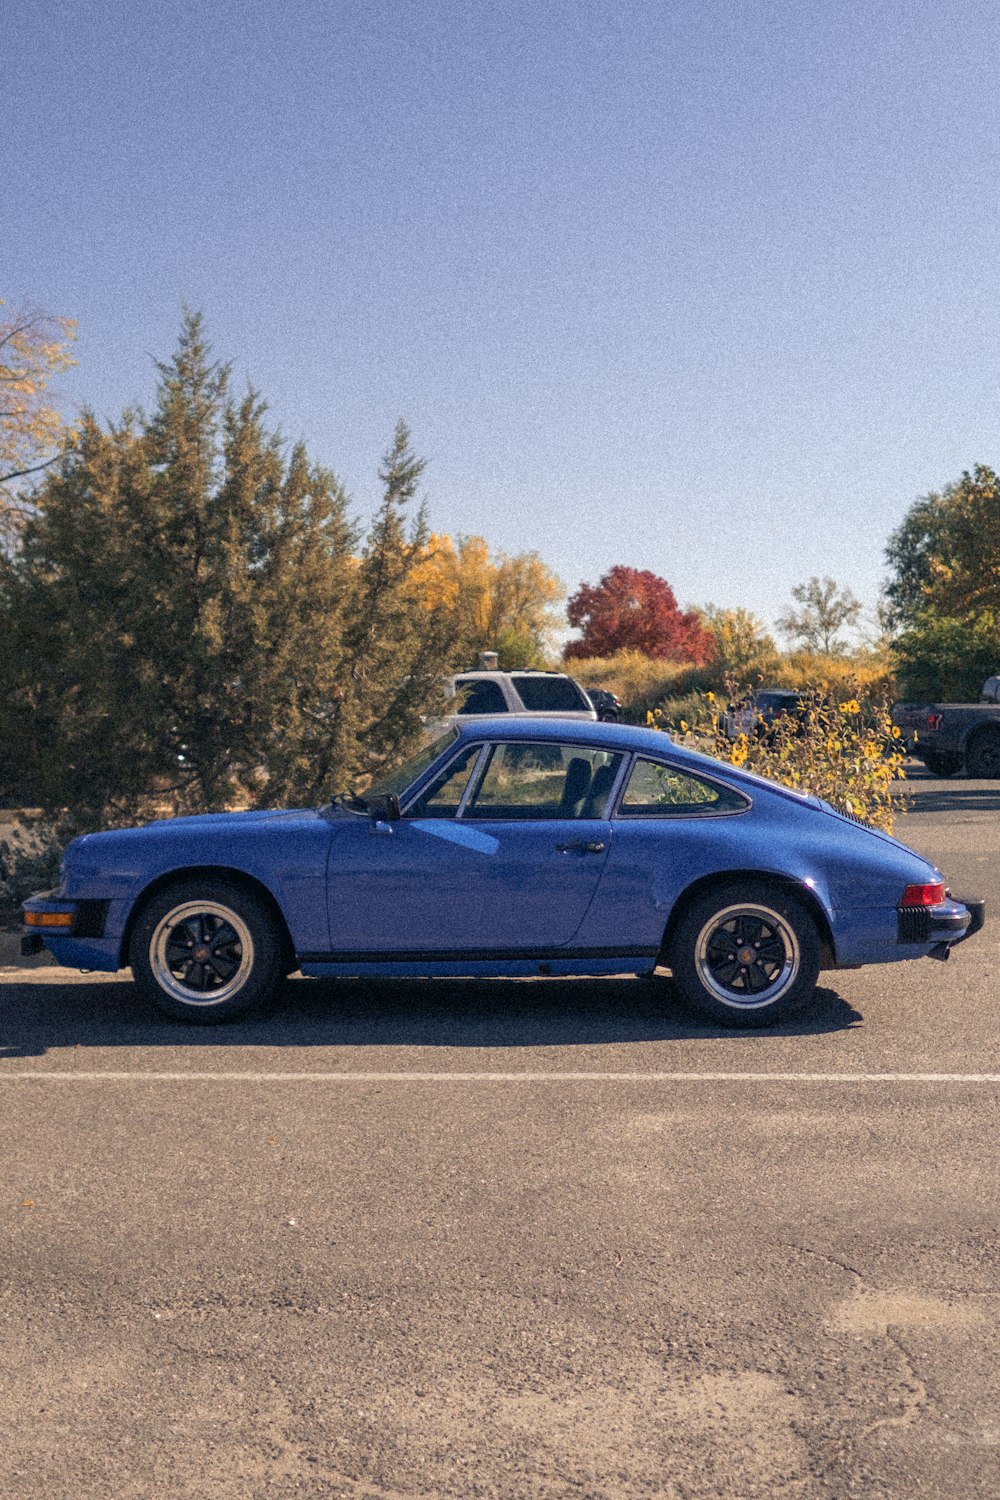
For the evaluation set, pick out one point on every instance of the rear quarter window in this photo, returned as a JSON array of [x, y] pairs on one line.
[[655, 790]]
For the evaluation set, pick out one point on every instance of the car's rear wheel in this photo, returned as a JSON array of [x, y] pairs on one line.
[[206, 951], [745, 956]]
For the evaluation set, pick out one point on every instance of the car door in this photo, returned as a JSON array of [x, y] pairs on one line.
[[671, 826], [501, 854]]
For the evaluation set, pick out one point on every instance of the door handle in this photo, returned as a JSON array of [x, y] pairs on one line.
[[583, 847]]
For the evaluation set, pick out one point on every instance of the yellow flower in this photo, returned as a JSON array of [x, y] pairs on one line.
[[896, 731], [852, 706], [684, 728], [710, 697]]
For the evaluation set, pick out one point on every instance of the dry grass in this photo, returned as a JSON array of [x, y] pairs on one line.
[[640, 681]]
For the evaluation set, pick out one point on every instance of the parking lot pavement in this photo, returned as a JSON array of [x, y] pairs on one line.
[[523, 1239]]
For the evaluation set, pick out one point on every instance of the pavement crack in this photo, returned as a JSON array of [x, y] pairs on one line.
[[830, 1260], [915, 1400]]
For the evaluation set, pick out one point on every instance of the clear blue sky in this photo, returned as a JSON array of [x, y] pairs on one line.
[[703, 286]]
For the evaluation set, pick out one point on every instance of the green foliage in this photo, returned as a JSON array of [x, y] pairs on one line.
[[911, 553], [395, 651], [30, 851], [843, 752], [188, 626], [947, 659], [945, 556], [944, 590], [519, 651]]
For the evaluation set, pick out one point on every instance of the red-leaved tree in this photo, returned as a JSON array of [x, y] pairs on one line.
[[632, 609]]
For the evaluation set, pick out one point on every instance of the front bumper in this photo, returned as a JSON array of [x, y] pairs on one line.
[[49, 920]]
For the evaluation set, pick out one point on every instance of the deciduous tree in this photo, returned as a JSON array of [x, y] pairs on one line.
[[34, 347], [743, 651], [944, 589], [500, 603], [633, 609], [826, 609]]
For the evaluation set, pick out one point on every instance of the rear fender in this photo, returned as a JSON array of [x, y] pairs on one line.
[[804, 894]]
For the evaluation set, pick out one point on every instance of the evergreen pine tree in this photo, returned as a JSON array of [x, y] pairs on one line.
[[396, 651], [186, 624]]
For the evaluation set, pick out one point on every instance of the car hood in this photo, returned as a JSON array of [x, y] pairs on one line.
[[216, 823]]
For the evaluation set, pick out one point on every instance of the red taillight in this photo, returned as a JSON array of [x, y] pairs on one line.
[[934, 721], [923, 895]]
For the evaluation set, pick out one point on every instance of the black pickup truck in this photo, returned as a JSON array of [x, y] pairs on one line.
[[948, 737]]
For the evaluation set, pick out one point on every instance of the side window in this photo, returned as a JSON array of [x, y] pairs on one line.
[[482, 697], [553, 695], [656, 791], [442, 797], [539, 781]]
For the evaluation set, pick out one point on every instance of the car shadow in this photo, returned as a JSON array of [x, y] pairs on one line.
[[951, 797], [447, 1013]]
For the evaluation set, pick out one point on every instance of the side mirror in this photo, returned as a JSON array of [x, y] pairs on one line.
[[384, 809]]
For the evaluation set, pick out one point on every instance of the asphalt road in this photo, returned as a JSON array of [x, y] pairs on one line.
[[523, 1239]]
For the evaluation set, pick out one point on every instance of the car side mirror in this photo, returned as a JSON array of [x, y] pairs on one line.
[[384, 808]]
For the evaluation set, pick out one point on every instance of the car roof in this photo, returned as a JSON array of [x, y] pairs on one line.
[[584, 731], [492, 672]]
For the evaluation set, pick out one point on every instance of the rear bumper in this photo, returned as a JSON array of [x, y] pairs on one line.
[[942, 926]]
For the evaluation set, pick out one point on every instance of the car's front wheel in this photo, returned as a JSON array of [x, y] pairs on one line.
[[745, 956], [205, 951]]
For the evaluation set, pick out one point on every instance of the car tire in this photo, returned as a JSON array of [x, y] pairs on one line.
[[745, 955], [983, 756], [206, 951]]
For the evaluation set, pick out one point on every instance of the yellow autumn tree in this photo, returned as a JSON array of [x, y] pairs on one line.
[[34, 347], [499, 603]]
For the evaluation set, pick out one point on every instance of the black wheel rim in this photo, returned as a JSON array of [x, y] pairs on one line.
[[747, 956], [201, 953]]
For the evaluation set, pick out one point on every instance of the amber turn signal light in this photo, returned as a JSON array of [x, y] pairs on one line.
[[62, 919]]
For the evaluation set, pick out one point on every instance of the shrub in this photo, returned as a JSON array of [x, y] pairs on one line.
[[30, 851], [844, 752], [640, 681]]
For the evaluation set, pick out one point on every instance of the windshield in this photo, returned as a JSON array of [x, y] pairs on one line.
[[405, 775]]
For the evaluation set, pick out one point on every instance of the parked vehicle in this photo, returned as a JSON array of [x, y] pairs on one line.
[[606, 705], [540, 694], [508, 847], [755, 714], [950, 737]]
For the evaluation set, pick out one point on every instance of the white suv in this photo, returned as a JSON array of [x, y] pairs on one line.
[[542, 695]]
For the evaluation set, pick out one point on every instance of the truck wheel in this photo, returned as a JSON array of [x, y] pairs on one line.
[[983, 755]]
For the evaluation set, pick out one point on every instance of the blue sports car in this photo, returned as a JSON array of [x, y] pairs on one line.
[[507, 848]]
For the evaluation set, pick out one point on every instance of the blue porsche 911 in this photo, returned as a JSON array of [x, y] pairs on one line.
[[507, 848]]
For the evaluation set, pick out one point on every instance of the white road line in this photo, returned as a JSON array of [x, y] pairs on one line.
[[80, 1075]]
